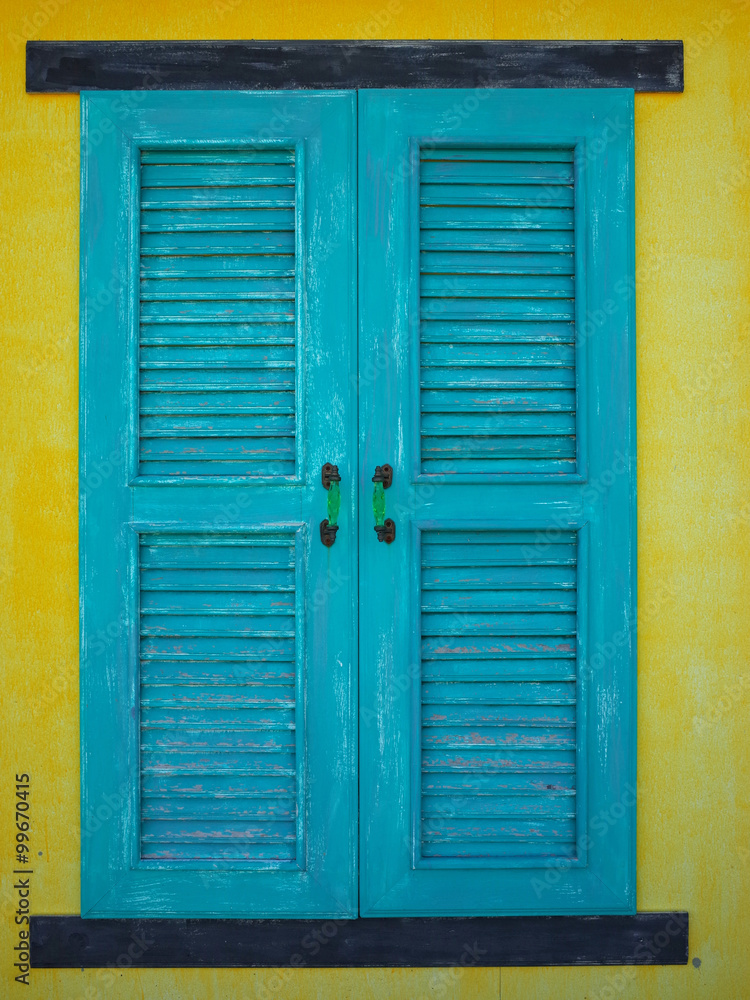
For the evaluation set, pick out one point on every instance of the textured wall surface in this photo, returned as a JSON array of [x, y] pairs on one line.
[[693, 321]]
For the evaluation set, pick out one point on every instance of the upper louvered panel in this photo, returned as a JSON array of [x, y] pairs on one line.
[[497, 311], [498, 695], [217, 705], [217, 313]]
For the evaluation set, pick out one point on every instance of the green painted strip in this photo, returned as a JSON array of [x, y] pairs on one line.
[[378, 503], [334, 503]]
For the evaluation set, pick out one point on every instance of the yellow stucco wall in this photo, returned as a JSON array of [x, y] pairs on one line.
[[693, 319]]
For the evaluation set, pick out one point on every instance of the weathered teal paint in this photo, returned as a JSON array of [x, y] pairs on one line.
[[496, 375], [218, 640], [497, 653]]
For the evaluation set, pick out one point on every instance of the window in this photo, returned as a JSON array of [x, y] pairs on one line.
[[440, 724]]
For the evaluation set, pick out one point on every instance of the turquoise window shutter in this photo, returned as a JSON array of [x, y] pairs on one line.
[[497, 640], [219, 687], [217, 646]]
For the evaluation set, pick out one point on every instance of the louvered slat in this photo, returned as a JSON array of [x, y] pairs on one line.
[[217, 313], [217, 703], [498, 695], [497, 312]]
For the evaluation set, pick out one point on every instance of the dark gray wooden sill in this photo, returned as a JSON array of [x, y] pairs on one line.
[[68, 67], [640, 939]]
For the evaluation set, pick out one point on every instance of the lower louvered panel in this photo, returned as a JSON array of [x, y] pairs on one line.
[[218, 698], [498, 696]]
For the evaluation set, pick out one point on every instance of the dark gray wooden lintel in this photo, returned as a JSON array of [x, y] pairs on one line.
[[68, 67], [640, 939]]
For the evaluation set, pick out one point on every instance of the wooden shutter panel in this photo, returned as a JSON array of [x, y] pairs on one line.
[[218, 760], [497, 379], [498, 695], [216, 700], [493, 226], [217, 313]]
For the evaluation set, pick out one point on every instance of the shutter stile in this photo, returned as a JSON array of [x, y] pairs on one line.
[[217, 314], [497, 372], [498, 696]]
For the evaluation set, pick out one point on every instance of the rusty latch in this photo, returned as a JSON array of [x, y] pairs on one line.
[[329, 474], [384, 475]]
